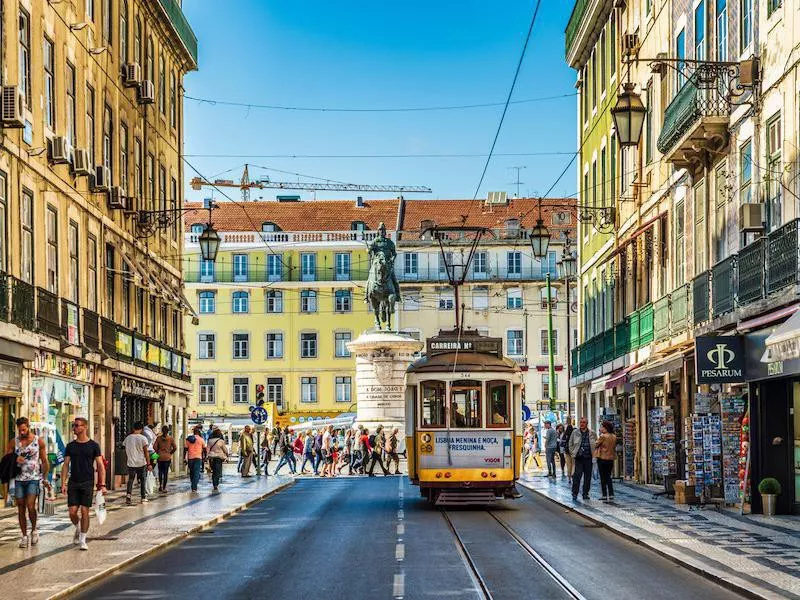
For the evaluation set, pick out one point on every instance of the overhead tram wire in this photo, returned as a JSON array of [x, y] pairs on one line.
[[376, 156], [508, 101]]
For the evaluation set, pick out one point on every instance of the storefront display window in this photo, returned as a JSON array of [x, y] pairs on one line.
[[54, 404]]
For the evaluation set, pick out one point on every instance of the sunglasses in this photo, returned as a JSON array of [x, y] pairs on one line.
[[74, 425]]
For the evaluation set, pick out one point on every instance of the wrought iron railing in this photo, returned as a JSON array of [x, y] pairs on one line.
[[5, 296], [701, 298], [109, 339], [47, 313], [782, 256], [723, 286], [661, 318], [91, 329], [752, 272], [679, 309], [705, 93], [23, 307]]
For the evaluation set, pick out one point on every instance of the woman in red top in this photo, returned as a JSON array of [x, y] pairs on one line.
[[297, 444]]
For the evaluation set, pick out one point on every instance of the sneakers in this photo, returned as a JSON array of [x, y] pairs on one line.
[[34, 537], [128, 500], [84, 545], [76, 537], [23, 543], [145, 500]]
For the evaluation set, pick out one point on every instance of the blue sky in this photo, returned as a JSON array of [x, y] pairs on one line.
[[358, 54]]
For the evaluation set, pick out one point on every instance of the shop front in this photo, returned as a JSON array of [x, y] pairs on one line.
[[773, 373], [10, 396], [60, 389], [134, 401]]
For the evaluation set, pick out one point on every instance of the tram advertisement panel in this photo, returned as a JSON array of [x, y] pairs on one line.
[[468, 449]]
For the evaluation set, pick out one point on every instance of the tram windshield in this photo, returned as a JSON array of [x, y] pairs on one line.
[[465, 405], [497, 392]]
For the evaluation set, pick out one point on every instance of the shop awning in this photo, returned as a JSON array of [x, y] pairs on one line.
[[770, 317], [599, 384], [619, 377], [657, 368], [784, 342]]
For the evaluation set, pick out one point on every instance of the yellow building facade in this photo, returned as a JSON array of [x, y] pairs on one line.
[[279, 305]]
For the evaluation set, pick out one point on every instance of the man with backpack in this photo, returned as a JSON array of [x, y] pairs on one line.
[[377, 442]]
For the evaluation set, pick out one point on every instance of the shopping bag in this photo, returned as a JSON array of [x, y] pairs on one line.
[[150, 483], [49, 505], [100, 507]]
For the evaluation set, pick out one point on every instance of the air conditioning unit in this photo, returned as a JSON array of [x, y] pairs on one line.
[[147, 92], [80, 162], [117, 198], [751, 217], [102, 178], [13, 107], [630, 44], [58, 150], [131, 74]]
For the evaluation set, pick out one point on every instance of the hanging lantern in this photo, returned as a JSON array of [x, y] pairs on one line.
[[209, 243], [540, 239], [629, 116]]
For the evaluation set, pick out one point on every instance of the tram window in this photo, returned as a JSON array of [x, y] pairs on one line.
[[498, 403], [433, 410], [465, 405]]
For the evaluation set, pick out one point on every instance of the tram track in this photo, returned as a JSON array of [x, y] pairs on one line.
[[479, 577]]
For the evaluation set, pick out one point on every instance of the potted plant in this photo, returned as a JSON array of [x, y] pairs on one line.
[[770, 489]]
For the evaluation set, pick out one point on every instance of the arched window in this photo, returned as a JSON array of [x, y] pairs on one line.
[[241, 302]]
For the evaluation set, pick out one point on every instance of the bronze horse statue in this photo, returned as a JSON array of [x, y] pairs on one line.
[[381, 293]]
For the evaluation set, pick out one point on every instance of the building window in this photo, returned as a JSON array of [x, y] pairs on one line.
[[138, 182], [162, 188], [544, 345], [612, 179], [603, 62], [700, 31], [176, 328], [173, 100], [274, 267], [343, 301], [514, 342], [275, 391], [72, 107], [411, 264], [52, 250], [343, 388], [358, 226], [208, 303], [308, 301], [107, 16], [173, 204], [308, 266], [446, 302], [680, 53], [746, 172], [722, 30], [480, 264], [91, 268], [206, 271], [25, 56], [74, 259], [308, 345], [648, 124], [26, 219], [125, 276], [153, 316], [445, 260], [108, 142], [150, 66], [90, 125], [162, 85], [274, 302], [480, 299], [90, 10], [49, 84], [137, 41], [308, 389], [553, 299], [342, 260], [269, 227], [275, 345], [514, 298], [720, 212], [700, 257], [241, 345], [240, 267], [772, 6], [3, 224], [341, 339], [514, 264], [207, 345], [123, 156], [546, 386], [241, 390], [549, 265], [745, 24], [123, 32], [241, 302], [774, 173], [594, 80], [208, 390], [411, 300], [680, 243], [150, 167]]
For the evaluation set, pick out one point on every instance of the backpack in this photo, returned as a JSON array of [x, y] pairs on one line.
[[372, 441], [9, 469]]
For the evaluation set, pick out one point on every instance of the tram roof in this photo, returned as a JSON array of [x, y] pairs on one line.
[[467, 361]]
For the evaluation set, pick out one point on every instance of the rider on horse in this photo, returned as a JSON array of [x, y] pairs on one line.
[[383, 245]]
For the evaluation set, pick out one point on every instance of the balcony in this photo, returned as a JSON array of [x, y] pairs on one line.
[[661, 319], [181, 27], [260, 239], [646, 331], [696, 121], [752, 272], [679, 305], [91, 330], [23, 310], [701, 298], [782, 257], [109, 340], [5, 291], [723, 286], [47, 314]]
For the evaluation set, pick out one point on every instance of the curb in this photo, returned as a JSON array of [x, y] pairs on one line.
[[721, 581], [77, 587]]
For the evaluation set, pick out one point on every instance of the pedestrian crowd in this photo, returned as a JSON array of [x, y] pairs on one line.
[[579, 450]]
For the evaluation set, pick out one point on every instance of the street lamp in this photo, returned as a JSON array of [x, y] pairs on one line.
[[209, 242], [568, 264], [568, 269], [629, 116], [540, 239]]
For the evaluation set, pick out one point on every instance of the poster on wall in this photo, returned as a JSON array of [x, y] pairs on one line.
[[140, 349], [73, 337]]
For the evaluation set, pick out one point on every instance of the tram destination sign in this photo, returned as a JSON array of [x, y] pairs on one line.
[[467, 343]]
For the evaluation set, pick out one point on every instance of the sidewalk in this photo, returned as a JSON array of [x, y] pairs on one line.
[[754, 555], [54, 568]]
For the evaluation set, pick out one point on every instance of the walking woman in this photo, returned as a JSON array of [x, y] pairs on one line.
[[217, 454], [605, 452], [165, 447]]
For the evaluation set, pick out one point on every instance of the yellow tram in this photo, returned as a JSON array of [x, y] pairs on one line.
[[464, 420]]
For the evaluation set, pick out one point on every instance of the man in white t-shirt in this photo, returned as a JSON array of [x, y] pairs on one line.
[[136, 450]]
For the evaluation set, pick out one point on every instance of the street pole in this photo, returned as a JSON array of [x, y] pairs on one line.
[[569, 352], [258, 452], [550, 344]]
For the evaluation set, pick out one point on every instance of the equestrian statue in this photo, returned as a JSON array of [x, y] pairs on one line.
[[383, 291]]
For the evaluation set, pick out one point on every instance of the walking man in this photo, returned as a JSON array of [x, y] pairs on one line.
[[82, 459], [32, 462], [287, 455], [581, 445], [247, 449], [392, 445], [550, 448], [377, 451], [136, 450], [568, 429]]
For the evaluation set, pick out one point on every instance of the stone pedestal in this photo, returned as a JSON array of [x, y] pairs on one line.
[[382, 358]]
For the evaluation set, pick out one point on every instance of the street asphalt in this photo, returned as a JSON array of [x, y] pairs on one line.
[[374, 538]]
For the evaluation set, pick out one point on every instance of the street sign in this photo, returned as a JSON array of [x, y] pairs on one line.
[[258, 415], [526, 412]]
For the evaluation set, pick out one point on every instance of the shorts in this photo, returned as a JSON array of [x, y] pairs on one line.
[[328, 458], [22, 489], [80, 494]]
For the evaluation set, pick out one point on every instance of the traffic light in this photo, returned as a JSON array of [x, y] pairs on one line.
[[259, 395]]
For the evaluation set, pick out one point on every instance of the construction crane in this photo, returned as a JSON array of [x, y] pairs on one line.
[[245, 185]]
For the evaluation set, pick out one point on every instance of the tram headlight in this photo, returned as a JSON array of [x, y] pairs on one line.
[[484, 474], [439, 475], [493, 475], [447, 475]]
